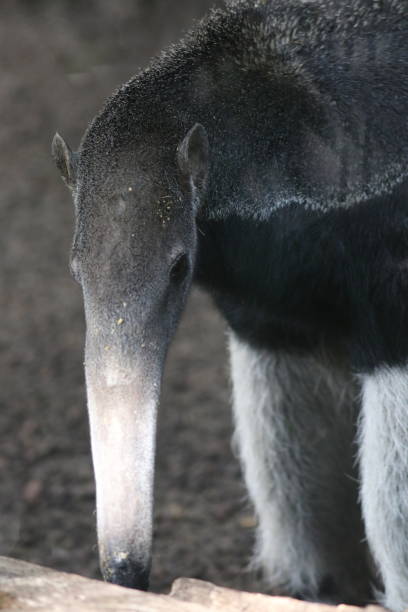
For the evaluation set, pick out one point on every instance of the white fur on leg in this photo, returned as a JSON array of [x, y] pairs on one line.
[[384, 472], [295, 423], [257, 403]]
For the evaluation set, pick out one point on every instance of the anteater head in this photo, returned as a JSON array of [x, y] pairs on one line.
[[136, 204]]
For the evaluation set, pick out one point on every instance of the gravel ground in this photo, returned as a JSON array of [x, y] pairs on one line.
[[59, 59]]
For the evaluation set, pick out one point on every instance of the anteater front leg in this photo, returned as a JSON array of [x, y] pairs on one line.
[[384, 470], [295, 426]]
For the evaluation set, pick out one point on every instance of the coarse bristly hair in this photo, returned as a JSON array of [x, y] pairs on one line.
[[293, 118], [326, 81]]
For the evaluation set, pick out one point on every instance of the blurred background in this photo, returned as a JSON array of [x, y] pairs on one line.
[[59, 59]]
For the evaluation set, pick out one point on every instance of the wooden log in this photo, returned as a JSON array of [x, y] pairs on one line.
[[25, 586], [217, 599]]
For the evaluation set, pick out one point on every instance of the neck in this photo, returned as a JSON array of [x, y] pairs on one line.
[[282, 129], [242, 106]]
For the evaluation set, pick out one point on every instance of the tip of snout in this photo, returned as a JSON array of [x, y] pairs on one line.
[[128, 573]]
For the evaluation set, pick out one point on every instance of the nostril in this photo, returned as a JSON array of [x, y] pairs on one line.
[[179, 269], [122, 566], [128, 573]]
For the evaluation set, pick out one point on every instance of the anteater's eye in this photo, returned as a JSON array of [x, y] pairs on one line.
[[179, 269]]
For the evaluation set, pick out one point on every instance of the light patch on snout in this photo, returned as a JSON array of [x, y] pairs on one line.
[[116, 376], [116, 373], [123, 425]]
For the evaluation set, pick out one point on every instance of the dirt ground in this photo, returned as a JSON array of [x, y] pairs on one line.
[[59, 59]]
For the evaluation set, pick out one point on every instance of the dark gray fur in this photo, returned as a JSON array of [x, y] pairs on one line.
[[264, 157]]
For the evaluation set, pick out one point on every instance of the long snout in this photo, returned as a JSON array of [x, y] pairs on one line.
[[122, 404]]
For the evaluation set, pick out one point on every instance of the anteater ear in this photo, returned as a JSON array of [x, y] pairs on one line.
[[65, 159], [193, 158]]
